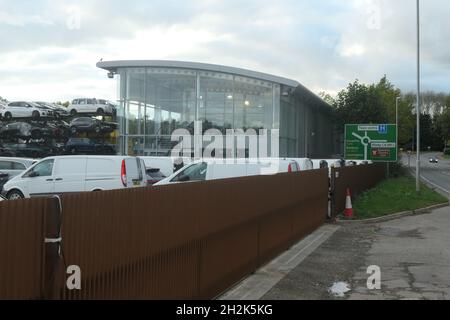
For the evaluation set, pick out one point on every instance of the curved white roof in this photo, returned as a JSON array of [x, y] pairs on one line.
[[114, 65]]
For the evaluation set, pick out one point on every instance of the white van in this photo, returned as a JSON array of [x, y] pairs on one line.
[[304, 163], [214, 169], [167, 165], [332, 163], [70, 174]]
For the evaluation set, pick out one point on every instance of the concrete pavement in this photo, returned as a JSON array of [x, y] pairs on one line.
[[413, 254]]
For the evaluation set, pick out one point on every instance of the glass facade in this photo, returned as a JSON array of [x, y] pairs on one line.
[[155, 101]]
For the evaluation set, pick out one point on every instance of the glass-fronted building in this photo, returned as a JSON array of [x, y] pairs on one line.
[[158, 97]]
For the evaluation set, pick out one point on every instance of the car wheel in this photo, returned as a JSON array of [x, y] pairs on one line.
[[15, 195], [73, 151], [8, 115], [97, 129], [73, 130], [100, 112], [73, 112], [35, 115]]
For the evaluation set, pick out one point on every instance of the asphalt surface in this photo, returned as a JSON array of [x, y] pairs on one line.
[[435, 174], [413, 254]]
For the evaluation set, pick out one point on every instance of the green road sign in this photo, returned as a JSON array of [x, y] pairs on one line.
[[376, 142]]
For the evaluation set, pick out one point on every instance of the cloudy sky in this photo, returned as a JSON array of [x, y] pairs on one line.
[[49, 48]]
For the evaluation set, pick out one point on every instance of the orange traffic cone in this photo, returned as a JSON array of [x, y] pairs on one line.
[[348, 205]]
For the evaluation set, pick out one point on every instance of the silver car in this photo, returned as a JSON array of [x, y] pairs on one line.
[[15, 166]]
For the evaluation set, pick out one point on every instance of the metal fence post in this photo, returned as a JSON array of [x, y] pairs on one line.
[[52, 251]]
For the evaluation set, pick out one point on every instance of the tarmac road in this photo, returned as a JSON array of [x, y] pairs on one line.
[[435, 174]]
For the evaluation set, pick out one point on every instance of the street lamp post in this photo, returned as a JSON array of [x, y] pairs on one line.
[[418, 101], [396, 115]]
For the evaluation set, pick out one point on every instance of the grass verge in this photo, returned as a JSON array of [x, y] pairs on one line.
[[393, 196]]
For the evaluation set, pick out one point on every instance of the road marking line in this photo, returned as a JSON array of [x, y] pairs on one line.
[[434, 184]]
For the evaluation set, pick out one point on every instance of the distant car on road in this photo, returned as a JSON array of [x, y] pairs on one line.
[[434, 160], [86, 124]]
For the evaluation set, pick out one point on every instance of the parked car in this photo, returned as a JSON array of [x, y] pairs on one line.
[[33, 150], [71, 174], [23, 109], [109, 104], [58, 111], [154, 175], [213, 169], [6, 152], [86, 124], [167, 165], [26, 131], [88, 146], [90, 106], [14, 166], [4, 177]]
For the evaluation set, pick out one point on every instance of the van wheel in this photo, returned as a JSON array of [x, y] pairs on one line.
[[73, 112], [8, 116], [15, 195], [35, 115]]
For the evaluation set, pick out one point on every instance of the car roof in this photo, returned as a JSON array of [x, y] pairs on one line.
[[17, 159]]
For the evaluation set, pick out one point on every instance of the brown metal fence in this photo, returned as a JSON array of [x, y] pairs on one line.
[[25, 258], [357, 178], [184, 241]]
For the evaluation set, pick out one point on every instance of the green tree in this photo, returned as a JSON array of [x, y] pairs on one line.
[[359, 103]]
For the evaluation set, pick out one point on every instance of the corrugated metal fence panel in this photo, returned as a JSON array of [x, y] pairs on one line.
[[185, 241], [22, 233], [357, 178]]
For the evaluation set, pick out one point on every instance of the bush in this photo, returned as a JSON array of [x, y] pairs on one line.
[[447, 151], [397, 169]]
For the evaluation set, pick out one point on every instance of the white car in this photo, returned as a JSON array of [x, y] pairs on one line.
[[167, 165], [90, 106], [23, 109], [214, 169], [71, 174]]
